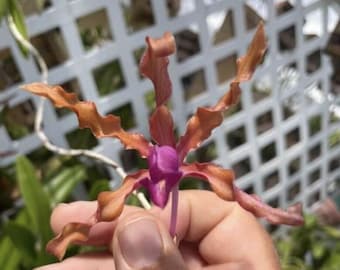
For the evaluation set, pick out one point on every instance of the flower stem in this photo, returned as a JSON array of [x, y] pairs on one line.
[[174, 207]]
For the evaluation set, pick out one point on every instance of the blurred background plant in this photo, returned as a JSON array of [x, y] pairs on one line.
[[314, 246]]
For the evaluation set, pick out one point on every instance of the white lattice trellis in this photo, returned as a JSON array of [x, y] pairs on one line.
[[277, 154]]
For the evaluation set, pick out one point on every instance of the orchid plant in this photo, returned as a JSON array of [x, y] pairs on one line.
[[165, 157]]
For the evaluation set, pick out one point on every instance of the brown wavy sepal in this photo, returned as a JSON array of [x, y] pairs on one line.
[[205, 119], [154, 65], [88, 116], [111, 203], [292, 216], [220, 179], [246, 65], [71, 233]]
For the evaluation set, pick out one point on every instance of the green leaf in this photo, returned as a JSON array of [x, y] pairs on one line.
[[61, 186], [23, 239], [10, 257], [6, 247], [17, 14], [97, 187], [36, 200], [3, 8], [12, 261]]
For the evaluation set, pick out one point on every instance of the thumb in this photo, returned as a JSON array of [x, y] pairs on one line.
[[141, 241]]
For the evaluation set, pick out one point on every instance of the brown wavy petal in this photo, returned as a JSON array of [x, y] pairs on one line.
[[71, 233], [88, 116], [199, 127], [202, 123], [154, 65], [162, 126], [292, 216], [246, 65], [220, 179], [111, 203]]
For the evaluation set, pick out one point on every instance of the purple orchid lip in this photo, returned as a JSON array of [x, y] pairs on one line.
[[164, 173], [163, 161]]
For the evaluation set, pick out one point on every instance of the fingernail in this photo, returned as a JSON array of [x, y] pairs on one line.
[[140, 243]]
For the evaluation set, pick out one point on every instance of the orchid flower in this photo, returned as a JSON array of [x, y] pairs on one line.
[[165, 157]]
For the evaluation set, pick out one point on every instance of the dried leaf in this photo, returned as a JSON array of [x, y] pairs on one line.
[[88, 116], [154, 64], [162, 126], [220, 179], [293, 215], [111, 203], [202, 123]]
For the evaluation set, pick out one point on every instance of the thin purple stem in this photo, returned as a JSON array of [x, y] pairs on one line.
[[174, 207]]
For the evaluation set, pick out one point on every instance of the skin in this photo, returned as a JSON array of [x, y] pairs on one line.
[[212, 234]]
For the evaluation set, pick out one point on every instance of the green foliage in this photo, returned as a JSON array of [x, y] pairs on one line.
[[36, 200], [3, 8], [23, 239], [97, 187], [15, 10], [93, 36], [334, 139], [81, 139], [62, 184], [312, 247], [109, 78], [10, 257], [190, 183]]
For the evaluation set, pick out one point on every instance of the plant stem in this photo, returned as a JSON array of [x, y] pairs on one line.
[[174, 207]]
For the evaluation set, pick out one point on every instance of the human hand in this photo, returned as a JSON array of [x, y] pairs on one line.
[[213, 234]]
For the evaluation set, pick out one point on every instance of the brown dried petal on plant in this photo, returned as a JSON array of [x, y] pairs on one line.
[[88, 116], [202, 123], [154, 65]]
